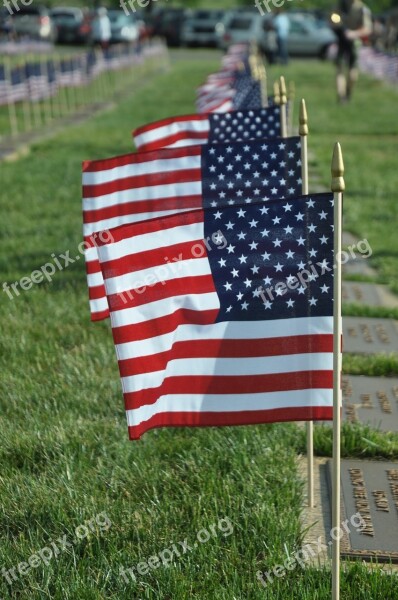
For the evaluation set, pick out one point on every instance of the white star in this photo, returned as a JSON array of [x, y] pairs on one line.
[[229, 309], [312, 253], [324, 289], [231, 185], [230, 226], [301, 266], [323, 239], [247, 166], [277, 243], [220, 159], [273, 155], [278, 267], [241, 213], [290, 279], [301, 290], [274, 191], [312, 228], [287, 207], [291, 190], [267, 305], [257, 293], [235, 273], [231, 249], [288, 229], [212, 169], [247, 282], [241, 235], [301, 241], [243, 259], [213, 186], [267, 280], [265, 232], [222, 262], [323, 215], [266, 256], [238, 157], [244, 306], [276, 221], [239, 176], [253, 246], [264, 210], [299, 216], [228, 286], [239, 296], [253, 223], [290, 254], [254, 270], [313, 301], [274, 173], [310, 203], [290, 303]]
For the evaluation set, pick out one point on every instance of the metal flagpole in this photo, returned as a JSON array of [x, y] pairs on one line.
[[303, 131], [283, 98], [291, 99], [337, 187], [263, 83]]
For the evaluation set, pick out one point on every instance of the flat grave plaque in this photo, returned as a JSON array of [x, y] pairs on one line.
[[370, 336], [367, 294], [372, 401], [369, 488]]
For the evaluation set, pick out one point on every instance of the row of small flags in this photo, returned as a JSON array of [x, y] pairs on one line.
[[378, 64], [195, 247], [38, 80]]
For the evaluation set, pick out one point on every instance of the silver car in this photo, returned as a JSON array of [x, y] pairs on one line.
[[199, 28]]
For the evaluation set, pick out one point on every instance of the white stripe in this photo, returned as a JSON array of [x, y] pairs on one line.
[[165, 238], [99, 305], [95, 279], [236, 367], [163, 272], [228, 403], [147, 192], [166, 165], [164, 307], [155, 135], [235, 330], [183, 143]]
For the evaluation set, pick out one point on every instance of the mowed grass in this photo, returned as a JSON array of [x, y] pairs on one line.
[[64, 453]]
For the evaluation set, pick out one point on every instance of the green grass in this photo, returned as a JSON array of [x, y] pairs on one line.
[[65, 457]]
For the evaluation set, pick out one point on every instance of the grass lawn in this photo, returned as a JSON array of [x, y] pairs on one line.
[[67, 469]]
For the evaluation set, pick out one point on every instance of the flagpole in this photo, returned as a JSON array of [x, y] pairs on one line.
[[337, 187], [283, 97], [263, 83], [277, 95], [291, 99], [12, 113], [303, 131]]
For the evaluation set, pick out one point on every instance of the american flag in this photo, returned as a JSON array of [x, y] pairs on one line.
[[3, 86], [37, 80], [200, 129], [137, 187], [248, 95], [199, 339], [18, 88]]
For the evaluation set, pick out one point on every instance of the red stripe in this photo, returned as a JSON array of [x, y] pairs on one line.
[[198, 284], [166, 141], [170, 121], [100, 316], [162, 325], [303, 344], [208, 419], [123, 232], [96, 292], [94, 166], [175, 203], [230, 384], [138, 181], [155, 258]]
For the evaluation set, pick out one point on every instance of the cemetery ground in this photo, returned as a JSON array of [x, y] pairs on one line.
[[64, 455]]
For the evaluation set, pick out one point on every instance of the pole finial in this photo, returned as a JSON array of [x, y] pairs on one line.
[[338, 183], [282, 87], [277, 95], [303, 119]]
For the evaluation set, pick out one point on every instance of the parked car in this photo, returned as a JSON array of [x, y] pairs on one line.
[[242, 27], [124, 28], [169, 25], [34, 22], [199, 28], [73, 26], [309, 37]]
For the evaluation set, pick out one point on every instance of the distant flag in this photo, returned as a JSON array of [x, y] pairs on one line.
[[204, 342], [201, 129], [137, 187]]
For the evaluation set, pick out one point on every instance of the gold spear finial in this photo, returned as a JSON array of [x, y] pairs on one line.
[[282, 87], [303, 119], [277, 96], [338, 183]]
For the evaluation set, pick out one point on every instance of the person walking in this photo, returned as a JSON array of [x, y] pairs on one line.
[[101, 28], [352, 23], [282, 28]]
